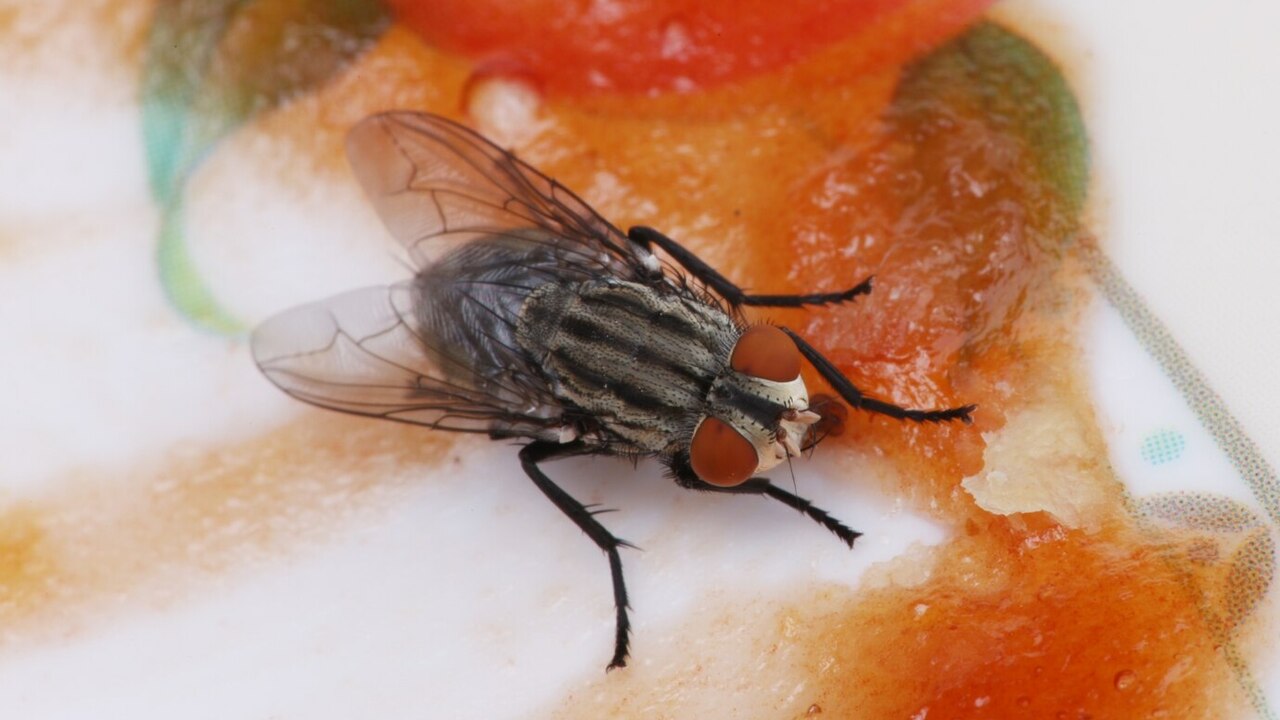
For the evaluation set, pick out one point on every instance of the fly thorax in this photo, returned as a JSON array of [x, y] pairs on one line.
[[757, 411], [638, 363]]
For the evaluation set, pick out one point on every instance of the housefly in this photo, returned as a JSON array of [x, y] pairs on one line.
[[531, 317]]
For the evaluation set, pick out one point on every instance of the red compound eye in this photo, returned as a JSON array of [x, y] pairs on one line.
[[720, 455], [766, 352]]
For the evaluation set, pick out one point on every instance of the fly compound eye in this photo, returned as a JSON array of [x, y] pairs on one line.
[[720, 455], [767, 353]]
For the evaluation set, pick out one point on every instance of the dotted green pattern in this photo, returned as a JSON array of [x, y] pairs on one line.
[[1237, 536], [1163, 446], [1253, 561], [1190, 383]]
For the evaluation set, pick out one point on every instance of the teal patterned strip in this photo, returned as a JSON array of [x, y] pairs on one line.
[[1190, 382], [1212, 412], [184, 36], [212, 65], [1016, 85]]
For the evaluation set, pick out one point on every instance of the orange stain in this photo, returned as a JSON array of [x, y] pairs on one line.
[[151, 534], [1077, 627], [787, 180], [25, 561]]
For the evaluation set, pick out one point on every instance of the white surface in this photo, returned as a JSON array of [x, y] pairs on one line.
[[1181, 105], [1135, 400], [408, 607]]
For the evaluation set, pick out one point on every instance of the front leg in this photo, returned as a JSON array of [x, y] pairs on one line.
[[724, 287], [540, 450], [687, 478], [856, 399]]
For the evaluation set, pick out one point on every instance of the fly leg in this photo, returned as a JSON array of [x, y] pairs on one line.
[[725, 288], [686, 478], [856, 399], [538, 451]]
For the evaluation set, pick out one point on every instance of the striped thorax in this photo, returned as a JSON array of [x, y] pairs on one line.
[[666, 373]]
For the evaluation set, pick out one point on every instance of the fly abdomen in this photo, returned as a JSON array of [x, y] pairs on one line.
[[641, 362]]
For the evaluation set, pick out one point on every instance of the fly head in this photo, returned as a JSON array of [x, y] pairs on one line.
[[758, 411]]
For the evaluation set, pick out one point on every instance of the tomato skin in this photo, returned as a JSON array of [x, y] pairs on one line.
[[646, 46]]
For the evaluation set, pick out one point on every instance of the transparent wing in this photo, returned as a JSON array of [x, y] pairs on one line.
[[364, 352], [437, 184]]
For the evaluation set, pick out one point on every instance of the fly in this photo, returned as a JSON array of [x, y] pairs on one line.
[[531, 317]]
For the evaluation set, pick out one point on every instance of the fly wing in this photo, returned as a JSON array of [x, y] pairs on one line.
[[363, 352], [437, 184]]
